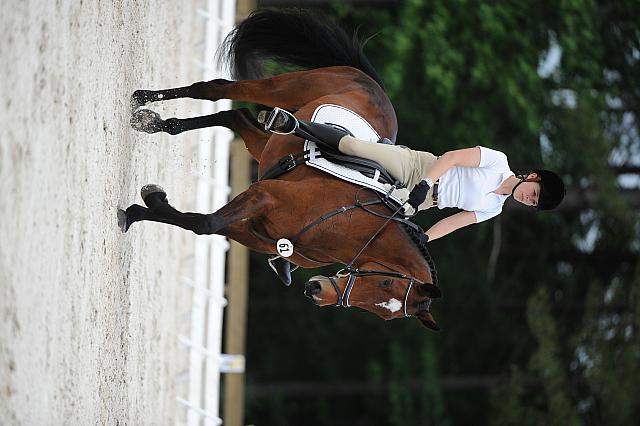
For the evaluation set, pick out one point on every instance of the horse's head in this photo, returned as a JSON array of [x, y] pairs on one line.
[[384, 292]]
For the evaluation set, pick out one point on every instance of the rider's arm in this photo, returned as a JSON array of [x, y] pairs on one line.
[[468, 157], [450, 224]]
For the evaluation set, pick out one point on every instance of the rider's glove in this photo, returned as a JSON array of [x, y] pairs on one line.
[[419, 193]]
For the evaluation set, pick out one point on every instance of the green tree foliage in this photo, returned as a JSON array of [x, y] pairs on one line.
[[552, 404], [590, 377], [607, 353]]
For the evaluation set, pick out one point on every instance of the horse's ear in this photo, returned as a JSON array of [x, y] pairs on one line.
[[427, 320], [429, 290]]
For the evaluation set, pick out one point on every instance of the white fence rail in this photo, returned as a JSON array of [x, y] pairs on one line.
[[207, 284]]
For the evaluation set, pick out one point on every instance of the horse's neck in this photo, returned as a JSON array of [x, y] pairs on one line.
[[400, 253]]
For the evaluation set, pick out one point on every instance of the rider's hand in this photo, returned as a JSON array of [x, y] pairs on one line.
[[418, 194]]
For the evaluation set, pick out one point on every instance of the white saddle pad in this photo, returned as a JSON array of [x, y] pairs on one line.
[[361, 129]]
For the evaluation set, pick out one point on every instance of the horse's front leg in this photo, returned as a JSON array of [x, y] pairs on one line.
[[228, 221], [251, 203]]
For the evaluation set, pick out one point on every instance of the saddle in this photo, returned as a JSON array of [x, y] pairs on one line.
[[369, 168], [362, 171], [283, 122]]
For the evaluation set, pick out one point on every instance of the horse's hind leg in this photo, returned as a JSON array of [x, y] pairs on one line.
[[143, 97], [240, 121], [294, 90], [290, 91]]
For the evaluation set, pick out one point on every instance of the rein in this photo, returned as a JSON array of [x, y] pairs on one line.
[[350, 265], [291, 161], [315, 223], [352, 272], [331, 214], [349, 270]]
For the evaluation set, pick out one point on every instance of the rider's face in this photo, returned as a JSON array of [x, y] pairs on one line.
[[527, 193]]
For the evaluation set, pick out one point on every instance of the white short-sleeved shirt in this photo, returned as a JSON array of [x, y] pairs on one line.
[[471, 188]]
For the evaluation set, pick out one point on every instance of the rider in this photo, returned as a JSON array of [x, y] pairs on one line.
[[476, 180]]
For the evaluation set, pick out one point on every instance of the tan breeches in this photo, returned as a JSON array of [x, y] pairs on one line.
[[404, 164]]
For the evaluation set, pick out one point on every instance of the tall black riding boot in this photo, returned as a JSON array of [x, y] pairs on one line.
[[325, 135], [283, 122]]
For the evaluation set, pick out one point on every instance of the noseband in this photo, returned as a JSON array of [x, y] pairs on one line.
[[353, 273]]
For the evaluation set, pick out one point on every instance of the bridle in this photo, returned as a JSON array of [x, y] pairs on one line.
[[352, 273], [350, 270]]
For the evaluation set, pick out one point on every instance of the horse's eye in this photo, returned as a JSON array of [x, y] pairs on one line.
[[425, 305], [385, 283]]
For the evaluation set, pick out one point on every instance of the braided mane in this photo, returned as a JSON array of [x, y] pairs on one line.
[[413, 232]]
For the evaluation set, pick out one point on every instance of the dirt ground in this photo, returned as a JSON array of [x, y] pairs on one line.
[[88, 331]]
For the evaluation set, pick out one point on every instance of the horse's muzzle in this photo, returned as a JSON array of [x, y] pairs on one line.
[[312, 287], [321, 291]]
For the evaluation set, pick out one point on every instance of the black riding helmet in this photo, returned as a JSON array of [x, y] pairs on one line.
[[552, 189]]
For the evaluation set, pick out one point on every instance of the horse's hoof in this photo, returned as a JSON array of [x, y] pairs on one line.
[[151, 188], [140, 98], [123, 221], [145, 120], [153, 194]]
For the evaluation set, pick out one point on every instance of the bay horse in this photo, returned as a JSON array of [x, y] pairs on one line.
[[393, 276]]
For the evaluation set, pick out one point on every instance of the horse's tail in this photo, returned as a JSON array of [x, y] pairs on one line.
[[293, 37]]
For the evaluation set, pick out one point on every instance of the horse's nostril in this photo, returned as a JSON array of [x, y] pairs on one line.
[[312, 287]]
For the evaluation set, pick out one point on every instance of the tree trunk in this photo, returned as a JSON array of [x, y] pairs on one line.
[[355, 388]]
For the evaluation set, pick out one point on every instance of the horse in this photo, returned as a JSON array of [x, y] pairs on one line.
[[392, 275]]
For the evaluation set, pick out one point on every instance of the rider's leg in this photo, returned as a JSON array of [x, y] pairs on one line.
[[280, 121], [404, 164]]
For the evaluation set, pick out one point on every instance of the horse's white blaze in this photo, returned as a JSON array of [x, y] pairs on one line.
[[393, 305]]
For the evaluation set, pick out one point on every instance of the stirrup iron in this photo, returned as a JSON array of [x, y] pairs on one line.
[[276, 119]]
